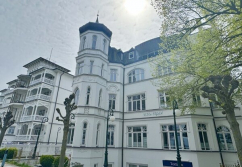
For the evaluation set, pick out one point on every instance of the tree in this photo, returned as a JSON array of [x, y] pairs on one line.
[[69, 107], [5, 123], [201, 44]]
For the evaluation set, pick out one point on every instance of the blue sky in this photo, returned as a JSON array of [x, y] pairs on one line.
[[30, 28]]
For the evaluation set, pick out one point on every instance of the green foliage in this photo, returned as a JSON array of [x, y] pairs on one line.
[[56, 161], [18, 164], [12, 152], [47, 160]]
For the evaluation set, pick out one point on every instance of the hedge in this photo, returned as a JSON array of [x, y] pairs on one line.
[[47, 160], [56, 162], [12, 152]]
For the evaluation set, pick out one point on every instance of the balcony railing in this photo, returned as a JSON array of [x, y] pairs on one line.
[[28, 137], [39, 96], [46, 80], [31, 118]]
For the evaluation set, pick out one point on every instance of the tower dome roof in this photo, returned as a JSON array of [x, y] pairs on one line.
[[95, 27]]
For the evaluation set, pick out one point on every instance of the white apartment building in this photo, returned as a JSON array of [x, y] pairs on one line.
[[142, 134]]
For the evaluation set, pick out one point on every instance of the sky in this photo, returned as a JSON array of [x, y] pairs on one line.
[[29, 29]]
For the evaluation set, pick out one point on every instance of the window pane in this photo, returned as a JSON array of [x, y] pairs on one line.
[[112, 138], [137, 129], [135, 139], [172, 140], [138, 105], [139, 139], [130, 140], [206, 140], [130, 106], [185, 140], [134, 105], [229, 141], [201, 140], [179, 140], [144, 140], [143, 104], [165, 139]]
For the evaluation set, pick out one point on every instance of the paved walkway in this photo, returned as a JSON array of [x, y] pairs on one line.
[[8, 165]]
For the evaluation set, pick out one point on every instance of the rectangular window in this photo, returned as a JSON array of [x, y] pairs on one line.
[[137, 137], [168, 134], [91, 66], [136, 102], [113, 75], [131, 55], [112, 99], [80, 70], [110, 136], [165, 101], [102, 69], [196, 100], [11, 130], [203, 136], [70, 134]]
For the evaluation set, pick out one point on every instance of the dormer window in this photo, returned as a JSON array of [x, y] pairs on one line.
[[131, 55], [94, 41]]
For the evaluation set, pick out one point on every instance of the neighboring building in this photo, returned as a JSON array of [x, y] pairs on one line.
[[143, 133], [32, 97]]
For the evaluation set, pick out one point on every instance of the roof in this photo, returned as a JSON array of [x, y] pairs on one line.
[[95, 27], [41, 59], [15, 80]]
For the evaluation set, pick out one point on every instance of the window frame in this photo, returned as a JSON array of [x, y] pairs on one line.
[[222, 132], [200, 144], [84, 42], [84, 137], [98, 134], [70, 134], [142, 132], [80, 68], [113, 101], [113, 75], [167, 104], [180, 134], [110, 138], [136, 75], [140, 100], [131, 53]]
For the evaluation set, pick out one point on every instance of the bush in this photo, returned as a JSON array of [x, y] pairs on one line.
[[56, 162], [46, 160], [2, 151], [12, 152]]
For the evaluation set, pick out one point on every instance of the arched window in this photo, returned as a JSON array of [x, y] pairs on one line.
[[94, 41], [88, 95], [70, 135], [136, 75], [225, 139], [100, 97], [84, 133], [77, 96], [104, 44], [83, 42], [97, 135]]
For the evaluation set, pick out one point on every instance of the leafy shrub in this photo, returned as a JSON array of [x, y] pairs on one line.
[[12, 152], [2, 151], [46, 160], [56, 162]]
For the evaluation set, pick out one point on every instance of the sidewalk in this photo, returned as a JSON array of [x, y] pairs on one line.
[[8, 165]]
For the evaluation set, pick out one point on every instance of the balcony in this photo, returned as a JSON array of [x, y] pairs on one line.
[[42, 79], [31, 118], [39, 96], [28, 137]]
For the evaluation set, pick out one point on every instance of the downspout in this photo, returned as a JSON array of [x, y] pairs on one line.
[[122, 159], [55, 106], [214, 124]]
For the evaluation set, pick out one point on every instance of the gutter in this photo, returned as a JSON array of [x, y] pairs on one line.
[[55, 107], [122, 154]]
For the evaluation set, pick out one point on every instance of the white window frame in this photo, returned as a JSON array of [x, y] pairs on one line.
[[202, 130], [136, 75], [112, 99], [196, 100], [140, 100], [163, 96], [84, 137], [98, 134], [131, 53], [180, 131], [130, 130], [111, 128], [70, 135], [113, 75], [80, 68], [221, 131], [91, 66]]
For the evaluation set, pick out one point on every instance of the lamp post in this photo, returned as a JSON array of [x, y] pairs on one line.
[[175, 106], [45, 119], [112, 118], [57, 135]]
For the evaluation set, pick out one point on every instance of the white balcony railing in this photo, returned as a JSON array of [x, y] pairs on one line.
[[31, 118], [28, 137], [40, 96], [46, 80]]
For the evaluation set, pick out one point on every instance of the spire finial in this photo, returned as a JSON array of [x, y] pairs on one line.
[[97, 17]]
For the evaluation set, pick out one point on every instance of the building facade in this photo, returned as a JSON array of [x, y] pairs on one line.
[[142, 134]]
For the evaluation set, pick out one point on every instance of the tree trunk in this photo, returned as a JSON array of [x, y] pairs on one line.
[[234, 125], [2, 135], [63, 146]]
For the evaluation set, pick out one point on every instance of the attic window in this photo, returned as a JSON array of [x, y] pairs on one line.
[[131, 55]]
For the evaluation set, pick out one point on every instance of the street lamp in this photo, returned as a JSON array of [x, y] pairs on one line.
[[57, 135], [44, 120], [175, 106], [111, 118]]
